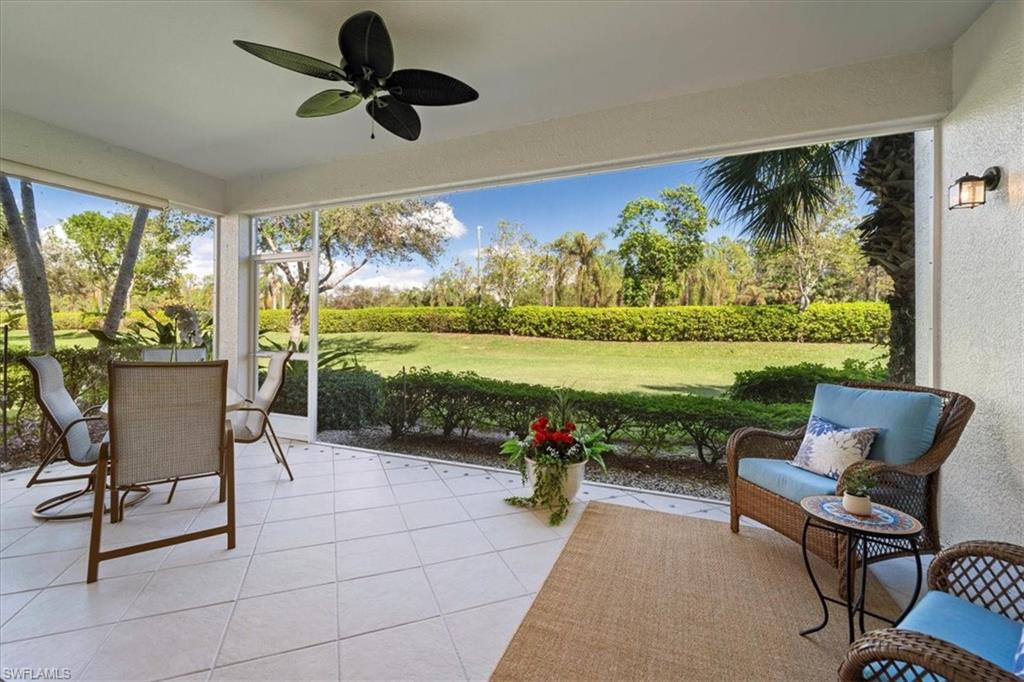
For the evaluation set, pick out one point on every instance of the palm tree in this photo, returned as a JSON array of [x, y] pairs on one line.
[[772, 193], [584, 250]]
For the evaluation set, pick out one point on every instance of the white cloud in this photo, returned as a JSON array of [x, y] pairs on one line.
[[394, 277], [203, 257], [442, 215]]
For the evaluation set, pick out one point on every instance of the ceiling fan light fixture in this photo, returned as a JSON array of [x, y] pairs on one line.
[[368, 67]]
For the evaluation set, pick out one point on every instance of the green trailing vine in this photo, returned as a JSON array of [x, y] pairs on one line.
[[550, 473]]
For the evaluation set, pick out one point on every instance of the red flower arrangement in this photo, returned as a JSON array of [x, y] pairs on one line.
[[549, 453], [562, 439]]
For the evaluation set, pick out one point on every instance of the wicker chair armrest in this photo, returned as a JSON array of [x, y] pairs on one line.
[[897, 653], [985, 573], [754, 442]]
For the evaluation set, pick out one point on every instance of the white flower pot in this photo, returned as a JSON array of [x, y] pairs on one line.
[[573, 478], [861, 506]]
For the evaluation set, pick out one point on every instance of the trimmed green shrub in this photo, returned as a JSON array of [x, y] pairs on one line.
[[450, 402], [796, 383], [349, 399], [820, 322], [338, 321], [85, 376]]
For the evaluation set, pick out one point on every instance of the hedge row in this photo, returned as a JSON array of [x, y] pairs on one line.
[[455, 404], [85, 376], [75, 320], [459, 403], [820, 322], [796, 383]]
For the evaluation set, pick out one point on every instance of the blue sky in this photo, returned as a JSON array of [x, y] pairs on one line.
[[546, 208]]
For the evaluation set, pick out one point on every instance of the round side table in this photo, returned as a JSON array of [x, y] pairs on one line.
[[885, 526]]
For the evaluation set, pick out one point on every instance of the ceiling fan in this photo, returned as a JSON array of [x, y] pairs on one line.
[[368, 66]]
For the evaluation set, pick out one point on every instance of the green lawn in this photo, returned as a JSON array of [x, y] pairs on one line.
[[64, 339], [705, 368]]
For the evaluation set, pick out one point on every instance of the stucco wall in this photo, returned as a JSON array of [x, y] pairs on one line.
[[981, 279]]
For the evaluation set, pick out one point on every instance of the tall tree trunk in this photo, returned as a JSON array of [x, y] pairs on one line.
[[24, 233], [119, 298], [887, 238]]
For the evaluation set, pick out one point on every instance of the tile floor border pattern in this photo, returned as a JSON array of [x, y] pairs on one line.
[[437, 483]]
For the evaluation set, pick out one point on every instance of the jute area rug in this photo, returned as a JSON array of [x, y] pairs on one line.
[[642, 595]]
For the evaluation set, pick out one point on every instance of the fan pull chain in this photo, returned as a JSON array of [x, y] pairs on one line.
[[372, 119]]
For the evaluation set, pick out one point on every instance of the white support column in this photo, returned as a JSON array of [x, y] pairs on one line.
[[233, 322], [927, 240]]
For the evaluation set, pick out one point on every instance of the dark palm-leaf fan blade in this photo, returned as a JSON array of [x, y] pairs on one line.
[[364, 42], [310, 66], [397, 117], [429, 88], [328, 102]]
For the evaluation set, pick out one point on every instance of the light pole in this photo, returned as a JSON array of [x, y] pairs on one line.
[[479, 284]]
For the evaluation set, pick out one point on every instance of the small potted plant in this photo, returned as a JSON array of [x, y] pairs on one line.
[[859, 483], [553, 459]]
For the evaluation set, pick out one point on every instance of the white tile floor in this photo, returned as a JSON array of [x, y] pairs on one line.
[[367, 566]]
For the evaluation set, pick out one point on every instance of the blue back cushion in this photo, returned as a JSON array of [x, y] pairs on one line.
[[907, 420]]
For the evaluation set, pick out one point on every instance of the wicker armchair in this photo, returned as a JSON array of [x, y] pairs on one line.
[[909, 487], [989, 574]]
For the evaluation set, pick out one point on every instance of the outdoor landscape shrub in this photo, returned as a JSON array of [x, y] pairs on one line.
[[820, 322], [796, 383], [350, 398], [451, 402], [85, 376]]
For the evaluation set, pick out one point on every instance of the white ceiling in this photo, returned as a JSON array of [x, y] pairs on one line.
[[163, 78]]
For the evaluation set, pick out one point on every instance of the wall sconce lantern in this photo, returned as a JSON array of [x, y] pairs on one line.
[[969, 191]]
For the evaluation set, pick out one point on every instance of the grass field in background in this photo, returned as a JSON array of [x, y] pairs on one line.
[[64, 339], [704, 368]]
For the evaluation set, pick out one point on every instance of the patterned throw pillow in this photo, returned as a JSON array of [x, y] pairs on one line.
[[828, 448]]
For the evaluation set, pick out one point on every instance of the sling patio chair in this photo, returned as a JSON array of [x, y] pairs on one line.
[[73, 443], [167, 422], [920, 427], [257, 423]]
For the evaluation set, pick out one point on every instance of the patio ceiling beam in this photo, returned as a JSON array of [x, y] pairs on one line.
[[65, 158], [886, 95]]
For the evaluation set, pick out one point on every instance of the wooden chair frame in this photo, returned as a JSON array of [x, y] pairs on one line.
[[107, 463]]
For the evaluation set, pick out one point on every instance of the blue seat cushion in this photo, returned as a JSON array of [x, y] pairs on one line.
[[782, 478], [969, 626], [906, 419]]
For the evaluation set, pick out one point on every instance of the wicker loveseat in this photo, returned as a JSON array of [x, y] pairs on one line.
[[967, 627], [908, 486]]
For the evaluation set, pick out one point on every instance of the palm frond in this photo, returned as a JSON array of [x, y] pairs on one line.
[[770, 194]]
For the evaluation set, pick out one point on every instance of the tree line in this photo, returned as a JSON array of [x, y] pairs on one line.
[[662, 259]]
